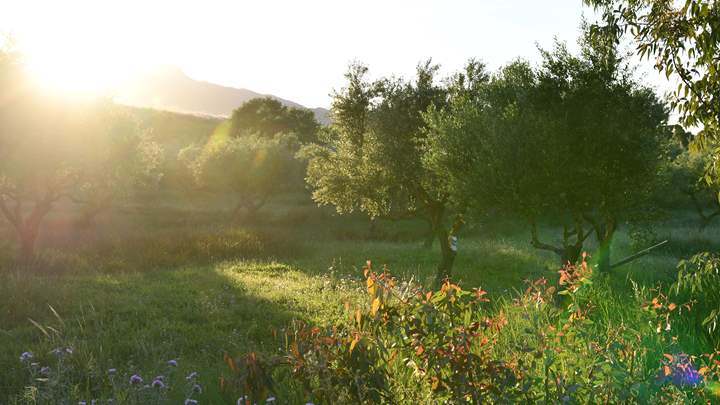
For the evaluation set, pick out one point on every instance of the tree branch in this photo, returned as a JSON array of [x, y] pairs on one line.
[[540, 245]]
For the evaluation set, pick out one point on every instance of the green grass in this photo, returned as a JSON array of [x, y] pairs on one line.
[[180, 281]]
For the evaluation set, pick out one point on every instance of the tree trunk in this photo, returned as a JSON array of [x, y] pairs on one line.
[[87, 219], [605, 235], [27, 229], [27, 236], [447, 241], [444, 270], [429, 237], [248, 208], [570, 254], [603, 256]]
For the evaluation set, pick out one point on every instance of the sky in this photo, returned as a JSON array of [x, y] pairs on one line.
[[297, 50]]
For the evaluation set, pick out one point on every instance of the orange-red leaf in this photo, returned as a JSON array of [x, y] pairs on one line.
[[667, 371]]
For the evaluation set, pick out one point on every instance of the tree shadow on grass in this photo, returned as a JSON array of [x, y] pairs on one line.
[[137, 322]]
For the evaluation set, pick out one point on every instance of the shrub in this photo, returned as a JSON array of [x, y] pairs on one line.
[[570, 343]]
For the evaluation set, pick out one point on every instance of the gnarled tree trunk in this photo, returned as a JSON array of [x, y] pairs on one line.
[[248, 208], [573, 240], [429, 237], [447, 241], [447, 259], [27, 228], [604, 232], [27, 236]]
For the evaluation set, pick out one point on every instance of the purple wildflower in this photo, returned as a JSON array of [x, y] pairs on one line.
[[112, 371], [82, 403], [45, 370], [172, 363], [158, 384], [26, 356], [136, 379], [678, 370], [190, 402], [197, 388]]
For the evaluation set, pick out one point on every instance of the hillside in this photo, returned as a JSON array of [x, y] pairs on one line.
[[171, 89]]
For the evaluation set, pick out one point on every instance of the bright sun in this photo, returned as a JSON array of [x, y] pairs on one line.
[[83, 74], [80, 55]]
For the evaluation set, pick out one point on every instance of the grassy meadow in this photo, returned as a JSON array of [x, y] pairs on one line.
[[176, 279]]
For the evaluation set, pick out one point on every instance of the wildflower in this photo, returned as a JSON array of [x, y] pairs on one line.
[[190, 402], [159, 377], [136, 379], [678, 370], [69, 350], [34, 364], [26, 356], [172, 363], [45, 370], [192, 376], [82, 403], [112, 371], [158, 384], [270, 399], [57, 351], [197, 388], [93, 402]]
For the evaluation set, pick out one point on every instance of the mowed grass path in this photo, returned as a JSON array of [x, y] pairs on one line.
[[136, 318]]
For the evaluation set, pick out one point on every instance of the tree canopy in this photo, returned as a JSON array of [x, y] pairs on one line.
[[252, 168], [371, 159], [577, 141], [268, 117]]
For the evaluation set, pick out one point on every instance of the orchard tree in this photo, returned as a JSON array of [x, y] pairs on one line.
[[576, 141], [371, 159], [268, 117], [253, 167], [125, 160], [50, 150]]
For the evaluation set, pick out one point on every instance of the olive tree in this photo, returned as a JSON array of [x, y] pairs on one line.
[[268, 117], [372, 158], [576, 141], [125, 160], [50, 149], [252, 167]]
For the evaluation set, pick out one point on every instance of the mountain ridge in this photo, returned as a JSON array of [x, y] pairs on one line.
[[172, 90]]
